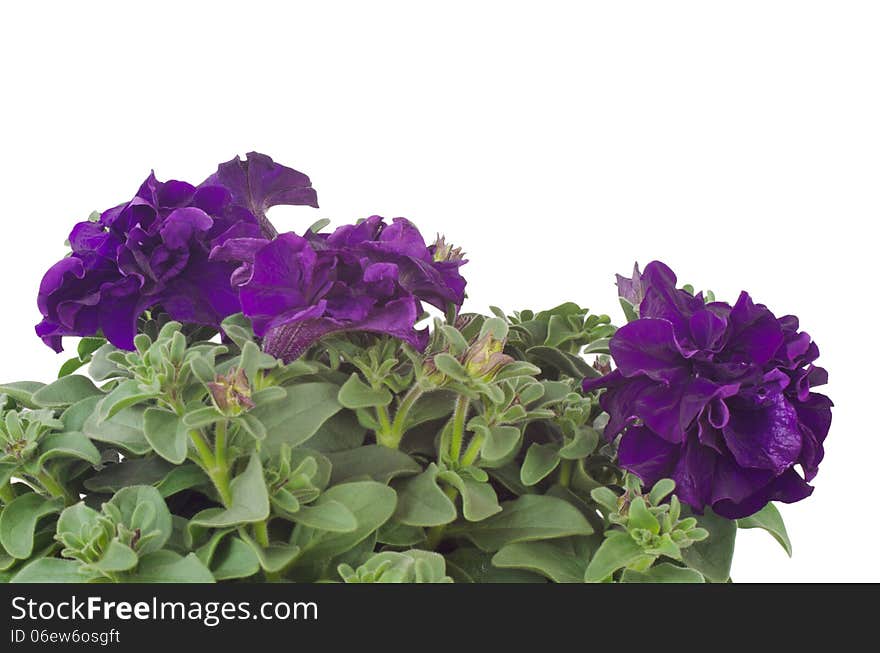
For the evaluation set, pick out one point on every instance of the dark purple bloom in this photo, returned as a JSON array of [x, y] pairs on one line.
[[153, 252], [259, 183], [369, 276], [717, 397]]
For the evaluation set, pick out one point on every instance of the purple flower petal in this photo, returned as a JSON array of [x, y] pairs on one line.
[[258, 183]]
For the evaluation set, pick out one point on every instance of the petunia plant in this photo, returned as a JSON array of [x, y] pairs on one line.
[[248, 403]]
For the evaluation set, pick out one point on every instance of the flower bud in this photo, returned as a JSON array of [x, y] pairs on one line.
[[231, 392], [485, 357], [443, 251]]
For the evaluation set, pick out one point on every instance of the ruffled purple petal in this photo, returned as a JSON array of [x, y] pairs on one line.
[[258, 183]]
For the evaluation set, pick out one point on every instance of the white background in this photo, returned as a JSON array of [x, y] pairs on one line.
[[556, 142]]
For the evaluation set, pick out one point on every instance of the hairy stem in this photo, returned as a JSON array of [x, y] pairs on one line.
[[436, 533], [261, 532], [384, 435], [52, 486], [458, 420], [406, 404], [219, 474], [565, 469]]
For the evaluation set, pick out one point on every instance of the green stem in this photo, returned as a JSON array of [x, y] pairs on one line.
[[458, 419], [207, 457], [261, 532], [7, 494], [384, 436], [217, 472], [406, 404], [51, 486], [565, 469], [220, 444], [436, 533], [473, 450]]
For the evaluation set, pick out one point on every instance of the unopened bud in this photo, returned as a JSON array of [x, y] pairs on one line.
[[231, 392]]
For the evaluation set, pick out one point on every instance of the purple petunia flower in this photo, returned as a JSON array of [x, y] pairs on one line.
[[717, 397], [369, 276], [153, 252]]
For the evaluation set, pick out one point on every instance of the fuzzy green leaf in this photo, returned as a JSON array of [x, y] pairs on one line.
[[373, 461], [18, 521], [355, 394], [769, 519], [421, 501], [554, 559], [65, 391], [166, 433], [531, 517], [540, 461], [297, 417], [250, 500], [618, 550], [663, 573]]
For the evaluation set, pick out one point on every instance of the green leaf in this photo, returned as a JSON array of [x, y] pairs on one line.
[[372, 505], [339, 433], [7, 469], [51, 570], [397, 534], [712, 557], [641, 517], [68, 445], [517, 369], [65, 391], [88, 346], [557, 560], [500, 442], [136, 471], [618, 550], [569, 364], [74, 417], [170, 567], [18, 521], [430, 406], [234, 558], [450, 366], [373, 461], [128, 393], [166, 433], [252, 426], [22, 392], [297, 417], [421, 501], [531, 517], [478, 498], [123, 430], [663, 573], [540, 461], [182, 478], [272, 558], [582, 445], [238, 328], [770, 520], [129, 501], [70, 366], [355, 394], [662, 488], [202, 417], [327, 516], [469, 565], [118, 557], [101, 367], [250, 500]]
